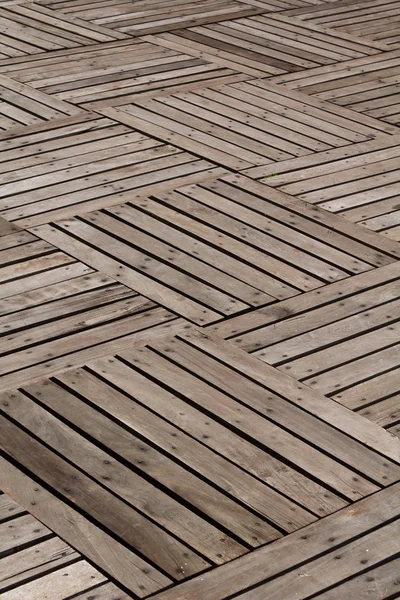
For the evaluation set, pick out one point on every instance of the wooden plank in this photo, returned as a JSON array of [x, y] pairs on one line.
[[24, 252], [342, 325], [34, 562], [362, 189], [178, 170], [97, 308], [370, 89], [191, 43], [370, 549], [6, 228], [395, 430], [93, 77], [106, 425], [139, 384], [55, 308], [138, 493], [241, 132], [348, 350], [250, 327], [369, 391], [325, 220], [365, 18], [70, 579], [42, 278], [132, 139], [206, 455], [91, 342], [300, 548], [358, 370], [294, 421], [37, 567], [337, 115], [47, 31], [9, 508], [283, 169], [8, 274], [107, 591], [152, 17], [22, 105], [231, 273], [199, 291], [323, 46], [127, 273], [384, 413], [15, 238], [270, 45], [93, 175], [155, 327], [21, 531], [382, 577], [30, 302], [98, 546], [311, 401], [129, 526]]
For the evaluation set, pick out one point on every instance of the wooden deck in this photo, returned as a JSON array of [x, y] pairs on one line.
[[199, 300]]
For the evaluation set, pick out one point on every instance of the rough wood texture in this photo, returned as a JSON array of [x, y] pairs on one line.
[[342, 340], [374, 19], [199, 299], [40, 565]]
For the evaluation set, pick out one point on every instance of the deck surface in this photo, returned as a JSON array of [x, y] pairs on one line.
[[199, 300]]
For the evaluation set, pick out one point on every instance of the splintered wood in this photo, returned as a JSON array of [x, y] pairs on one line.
[[199, 299]]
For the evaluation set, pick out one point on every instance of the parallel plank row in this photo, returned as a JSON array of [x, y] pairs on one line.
[[113, 73], [146, 16], [316, 562], [360, 183], [373, 19], [93, 437], [266, 44], [369, 87], [248, 124], [204, 263], [27, 29], [35, 564], [21, 105], [342, 340], [57, 312], [85, 163]]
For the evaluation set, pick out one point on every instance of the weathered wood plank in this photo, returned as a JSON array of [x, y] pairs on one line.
[[324, 537], [367, 19]]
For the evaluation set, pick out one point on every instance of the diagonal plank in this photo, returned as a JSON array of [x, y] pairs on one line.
[[38, 562], [113, 73], [266, 45], [361, 183], [372, 19], [151, 16], [109, 555], [284, 468], [56, 312], [369, 88], [256, 458], [21, 105], [7, 228], [245, 124], [202, 403], [352, 541], [326, 410], [42, 29], [342, 340], [203, 263], [85, 163]]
